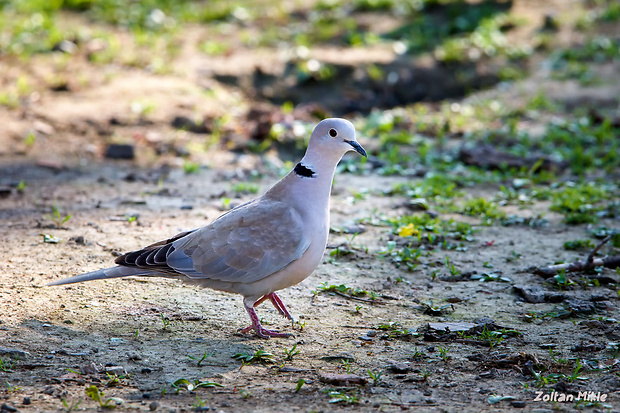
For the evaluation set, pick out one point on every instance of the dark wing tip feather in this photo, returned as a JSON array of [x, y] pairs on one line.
[[147, 259], [152, 257], [162, 253]]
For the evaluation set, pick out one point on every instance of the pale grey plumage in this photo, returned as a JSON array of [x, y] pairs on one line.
[[260, 247], [242, 245]]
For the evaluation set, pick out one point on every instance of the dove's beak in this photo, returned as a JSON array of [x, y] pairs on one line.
[[358, 148]]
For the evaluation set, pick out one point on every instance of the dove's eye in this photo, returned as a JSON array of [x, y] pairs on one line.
[[333, 133]]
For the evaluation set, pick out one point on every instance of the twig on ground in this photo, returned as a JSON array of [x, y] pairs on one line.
[[589, 264], [590, 259], [364, 300]]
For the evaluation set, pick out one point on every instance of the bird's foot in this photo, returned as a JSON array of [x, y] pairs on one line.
[[265, 333], [278, 304], [258, 327]]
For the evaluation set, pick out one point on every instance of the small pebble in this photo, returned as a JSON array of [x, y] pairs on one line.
[[5, 191], [518, 403], [80, 240], [89, 368], [119, 151], [13, 352], [27, 401], [153, 406], [6, 408], [338, 357], [134, 356], [289, 369], [396, 367], [49, 390], [342, 379], [118, 370]]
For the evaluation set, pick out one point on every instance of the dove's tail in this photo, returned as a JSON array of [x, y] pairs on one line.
[[113, 272]]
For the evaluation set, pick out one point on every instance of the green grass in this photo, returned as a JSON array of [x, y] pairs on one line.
[[260, 356], [580, 203], [344, 396], [451, 26], [455, 28], [423, 235], [290, 353], [580, 144], [436, 187], [484, 209], [98, 396], [244, 188], [543, 380], [31, 27], [154, 15], [190, 167], [610, 11], [561, 281], [429, 229], [578, 244], [7, 365], [345, 290], [202, 358], [488, 39], [14, 94], [596, 49], [27, 33], [585, 145], [443, 353], [188, 385], [57, 217]]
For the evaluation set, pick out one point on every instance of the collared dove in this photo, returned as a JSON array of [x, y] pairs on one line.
[[260, 247]]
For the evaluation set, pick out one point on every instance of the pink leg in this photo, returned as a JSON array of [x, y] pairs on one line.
[[258, 328], [260, 300], [277, 303]]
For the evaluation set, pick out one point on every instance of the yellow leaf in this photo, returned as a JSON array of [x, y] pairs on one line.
[[408, 231]]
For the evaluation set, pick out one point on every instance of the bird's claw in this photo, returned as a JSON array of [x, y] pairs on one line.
[[265, 333], [259, 329]]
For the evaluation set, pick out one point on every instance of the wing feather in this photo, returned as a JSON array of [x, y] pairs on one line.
[[244, 245]]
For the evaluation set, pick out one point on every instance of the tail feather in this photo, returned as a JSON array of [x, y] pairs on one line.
[[113, 272]]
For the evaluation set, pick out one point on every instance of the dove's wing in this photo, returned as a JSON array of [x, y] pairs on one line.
[[245, 245]]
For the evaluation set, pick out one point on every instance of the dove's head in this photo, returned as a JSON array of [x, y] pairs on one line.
[[333, 137]]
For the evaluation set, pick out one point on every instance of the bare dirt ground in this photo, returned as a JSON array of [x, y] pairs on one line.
[[149, 333]]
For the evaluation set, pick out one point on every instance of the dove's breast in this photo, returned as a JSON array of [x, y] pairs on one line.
[[309, 222], [292, 274], [300, 269]]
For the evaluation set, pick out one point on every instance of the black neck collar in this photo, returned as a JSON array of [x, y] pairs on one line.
[[304, 171]]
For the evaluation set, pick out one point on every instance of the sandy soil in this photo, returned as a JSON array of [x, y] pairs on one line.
[[57, 342], [59, 331]]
